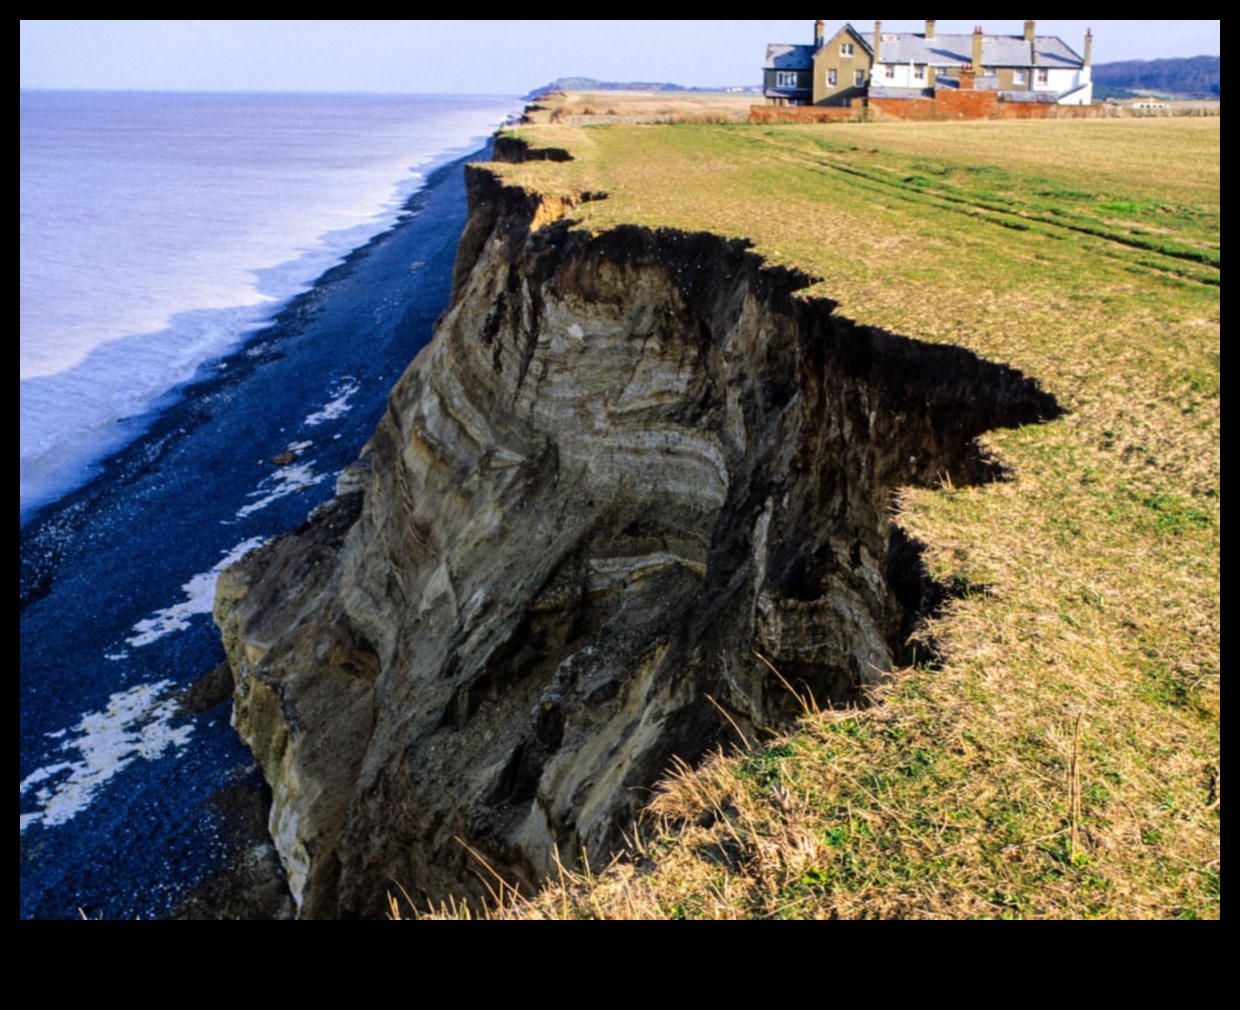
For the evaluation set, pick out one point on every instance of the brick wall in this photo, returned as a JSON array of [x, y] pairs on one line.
[[964, 104], [948, 105], [921, 109]]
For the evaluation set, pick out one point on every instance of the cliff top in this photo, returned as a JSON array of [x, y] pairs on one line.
[[1064, 760]]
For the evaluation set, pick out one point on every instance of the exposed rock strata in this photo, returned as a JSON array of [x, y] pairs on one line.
[[626, 462]]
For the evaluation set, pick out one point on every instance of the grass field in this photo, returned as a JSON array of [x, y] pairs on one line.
[[1063, 759]]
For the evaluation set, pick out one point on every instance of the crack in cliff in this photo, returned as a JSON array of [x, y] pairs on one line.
[[701, 468]]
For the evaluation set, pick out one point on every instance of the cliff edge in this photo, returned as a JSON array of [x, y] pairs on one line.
[[627, 462]]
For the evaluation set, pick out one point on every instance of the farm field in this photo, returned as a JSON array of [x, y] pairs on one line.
[[1061, 756]]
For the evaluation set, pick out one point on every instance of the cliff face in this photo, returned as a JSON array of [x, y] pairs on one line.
[[626, 462]]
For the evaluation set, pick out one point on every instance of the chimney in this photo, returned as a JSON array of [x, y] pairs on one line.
[[977, 49], [1089, 47], [878, 41], [930, 29], [1029, 26], [820, 33]]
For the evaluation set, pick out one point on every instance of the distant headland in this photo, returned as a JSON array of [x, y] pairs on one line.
[[590, 84]]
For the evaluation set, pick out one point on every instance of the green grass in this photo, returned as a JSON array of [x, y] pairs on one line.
[[1084, 253]]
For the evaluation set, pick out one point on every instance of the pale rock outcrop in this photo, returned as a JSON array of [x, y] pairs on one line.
[[626, 462]]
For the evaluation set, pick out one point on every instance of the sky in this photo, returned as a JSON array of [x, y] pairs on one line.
[[490, 57]]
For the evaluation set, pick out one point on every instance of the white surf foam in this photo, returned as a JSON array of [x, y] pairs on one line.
[[337, 407], [199, 598], [285, 481], [134, 725]]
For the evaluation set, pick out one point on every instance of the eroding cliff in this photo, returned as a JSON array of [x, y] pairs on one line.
[[626, 463]]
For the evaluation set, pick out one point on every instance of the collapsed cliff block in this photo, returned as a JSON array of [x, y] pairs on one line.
[[626, 463]]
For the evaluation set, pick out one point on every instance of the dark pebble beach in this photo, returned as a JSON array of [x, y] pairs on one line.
[[172, 821]]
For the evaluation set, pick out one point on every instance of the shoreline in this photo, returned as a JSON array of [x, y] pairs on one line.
[[150, 529], [257, 197], [278, 321]]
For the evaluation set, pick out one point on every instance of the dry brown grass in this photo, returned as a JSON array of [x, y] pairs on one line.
[[589, 108], [1064, 760]]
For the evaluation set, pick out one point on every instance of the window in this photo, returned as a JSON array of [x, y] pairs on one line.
[[859, 78], [1044, 76], [1019, 77], [919, 72], [785, 79], [833, 78], [889, 72], [846, 49]]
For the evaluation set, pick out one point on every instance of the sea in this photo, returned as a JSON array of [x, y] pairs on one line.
[[216, 293]]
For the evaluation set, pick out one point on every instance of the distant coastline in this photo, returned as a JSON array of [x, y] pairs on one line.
[[591, 84]]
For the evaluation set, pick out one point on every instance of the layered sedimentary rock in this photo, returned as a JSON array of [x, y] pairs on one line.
[[626, 463]]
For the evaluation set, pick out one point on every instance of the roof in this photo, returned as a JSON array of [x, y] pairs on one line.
[[997, 50], [789, 57], [1051, 52], [865, 38]]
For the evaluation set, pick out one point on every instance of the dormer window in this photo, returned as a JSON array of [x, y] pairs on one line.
[[847, 49]]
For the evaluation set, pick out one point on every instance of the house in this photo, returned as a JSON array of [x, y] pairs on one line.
[[852, 68]]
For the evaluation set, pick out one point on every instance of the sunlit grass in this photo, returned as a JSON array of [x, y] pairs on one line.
[[1063, 761]]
